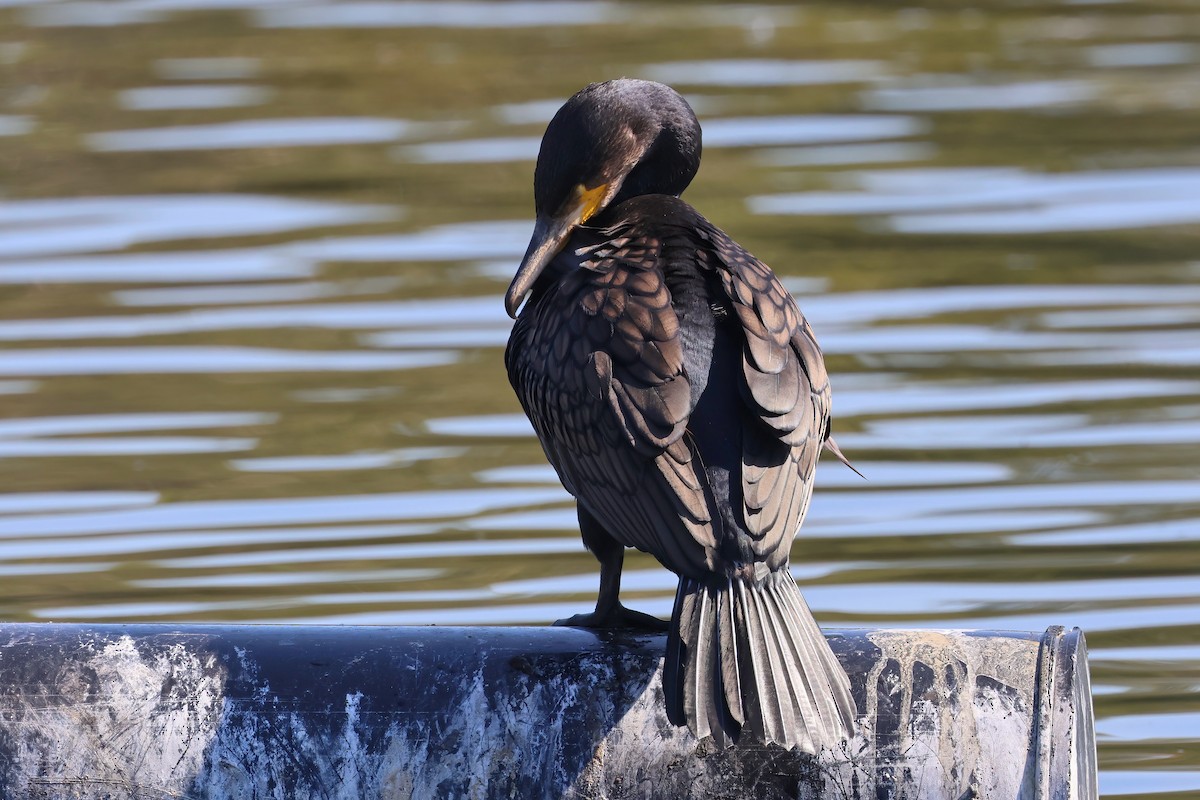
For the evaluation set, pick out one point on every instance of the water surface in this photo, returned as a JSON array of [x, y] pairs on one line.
[[252, 254]]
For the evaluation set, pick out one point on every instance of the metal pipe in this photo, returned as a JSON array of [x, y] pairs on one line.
[[195, 711]]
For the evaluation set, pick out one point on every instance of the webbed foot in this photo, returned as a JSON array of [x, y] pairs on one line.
[[616, 617]]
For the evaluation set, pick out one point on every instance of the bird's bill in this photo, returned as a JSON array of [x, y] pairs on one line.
[[549, 237]]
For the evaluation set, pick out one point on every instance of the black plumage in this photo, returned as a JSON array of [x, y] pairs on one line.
[[680, 395]]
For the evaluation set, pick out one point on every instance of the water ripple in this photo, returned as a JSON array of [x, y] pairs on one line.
[[40, 502], [1006, 200], [88, 224], [15, 125], [954, 93], [1029, 444], [765, 72], [298, 132], [909, 303], [448, 14], [158, 98], [810, 129], [258, 264], [1117, 783], [1022, 432], [123, 446], [473, 151], [345, 461], [337, 316], [124, 423], [215, 360], [1141, 54], [279, 511]]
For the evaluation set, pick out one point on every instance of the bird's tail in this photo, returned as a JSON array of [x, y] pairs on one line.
[[747, 656]]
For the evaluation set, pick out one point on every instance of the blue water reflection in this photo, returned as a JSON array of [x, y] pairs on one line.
[[346, 461], [939, 93], [73, 544], [33, 502], [833, 155], [159, 98], [1004, 200], [90, 224], [764, 72], [298, 132], [248, 294], [261, 264], [125, 423], [11, 125], [452, 14], [261, 579], [471, 151], [808, 129], [213, 360], [1114, 783], [1142, 54], [278, 511], [123, 446]]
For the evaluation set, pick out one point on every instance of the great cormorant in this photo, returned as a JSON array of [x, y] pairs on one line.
[[681, 397]]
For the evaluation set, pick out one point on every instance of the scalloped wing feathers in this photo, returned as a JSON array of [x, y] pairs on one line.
[[599, 364]]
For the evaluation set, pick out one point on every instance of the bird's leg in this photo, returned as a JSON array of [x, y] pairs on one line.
[[609, 612]]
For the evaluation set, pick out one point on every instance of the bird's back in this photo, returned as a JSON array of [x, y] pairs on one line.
[[665, 367]]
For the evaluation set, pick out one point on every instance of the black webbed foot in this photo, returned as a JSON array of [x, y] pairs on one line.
[[617, 617]]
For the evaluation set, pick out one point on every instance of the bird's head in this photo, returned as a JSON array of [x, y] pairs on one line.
[[611, 141]]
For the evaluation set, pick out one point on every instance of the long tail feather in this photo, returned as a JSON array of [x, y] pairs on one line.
[[746, 658], [832, 447]]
